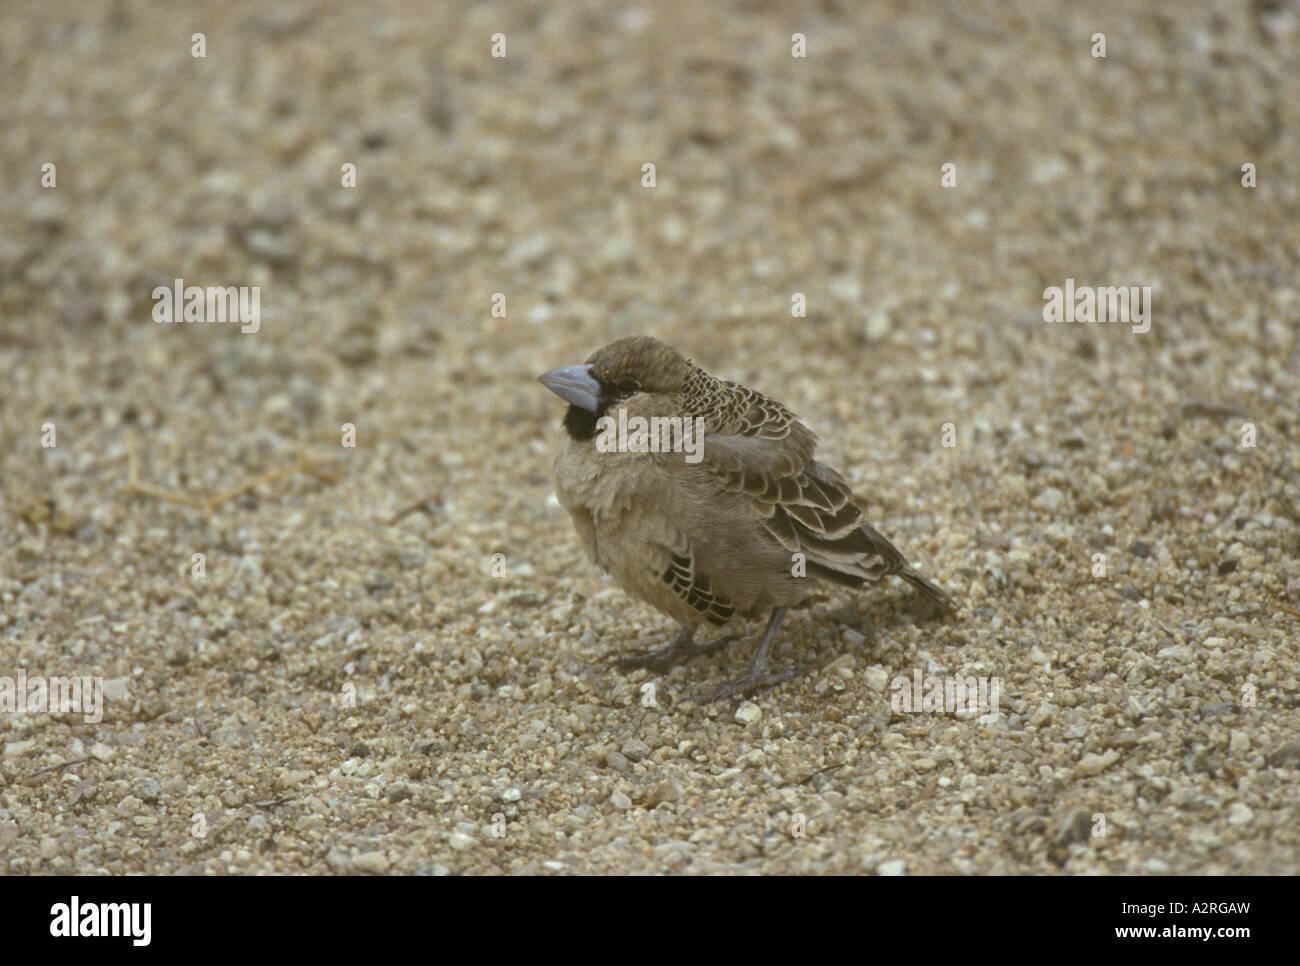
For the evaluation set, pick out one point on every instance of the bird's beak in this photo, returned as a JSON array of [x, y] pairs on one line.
[[574, 384]]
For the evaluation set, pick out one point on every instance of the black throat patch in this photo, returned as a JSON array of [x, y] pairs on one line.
[[581, 423]]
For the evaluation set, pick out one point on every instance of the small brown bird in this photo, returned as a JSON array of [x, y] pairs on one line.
[[702, 497]]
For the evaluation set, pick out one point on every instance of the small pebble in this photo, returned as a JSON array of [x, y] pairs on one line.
[[459, 841], [1092, 764], [748, 713], [1050, 499], [374, 863]]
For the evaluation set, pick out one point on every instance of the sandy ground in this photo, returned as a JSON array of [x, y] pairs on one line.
[[350, 688]]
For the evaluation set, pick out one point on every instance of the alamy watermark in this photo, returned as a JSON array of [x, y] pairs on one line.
[[216, 303], [1127, 304], [935, 694], [657, 434], [36, 694], [75, 919]]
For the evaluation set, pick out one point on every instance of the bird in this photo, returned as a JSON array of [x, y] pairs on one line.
[[704, 498]]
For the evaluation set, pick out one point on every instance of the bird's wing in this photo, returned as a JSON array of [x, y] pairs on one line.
[[696, 589], [802, 503], [656, 543]]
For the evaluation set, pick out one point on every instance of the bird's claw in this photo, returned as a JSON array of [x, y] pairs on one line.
[[669, 656], [749, 684]]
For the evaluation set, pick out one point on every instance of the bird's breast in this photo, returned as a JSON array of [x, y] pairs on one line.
[[600, 491]]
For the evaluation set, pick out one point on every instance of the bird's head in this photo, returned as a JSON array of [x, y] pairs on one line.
[[611, 376]]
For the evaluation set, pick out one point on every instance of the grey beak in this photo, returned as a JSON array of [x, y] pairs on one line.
[[574, 384]]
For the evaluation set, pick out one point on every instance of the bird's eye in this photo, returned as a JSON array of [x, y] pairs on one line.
[[627, 387]]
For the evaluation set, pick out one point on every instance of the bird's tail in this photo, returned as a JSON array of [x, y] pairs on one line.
[[921, 582]]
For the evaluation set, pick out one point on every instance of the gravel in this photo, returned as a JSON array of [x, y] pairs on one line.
[[393, 651]]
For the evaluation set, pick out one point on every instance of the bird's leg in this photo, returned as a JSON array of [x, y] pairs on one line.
[[659, 658], [679, 649], [755, 679]]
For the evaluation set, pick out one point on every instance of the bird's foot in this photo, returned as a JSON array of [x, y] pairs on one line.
[[679, 649], [749, 684]]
